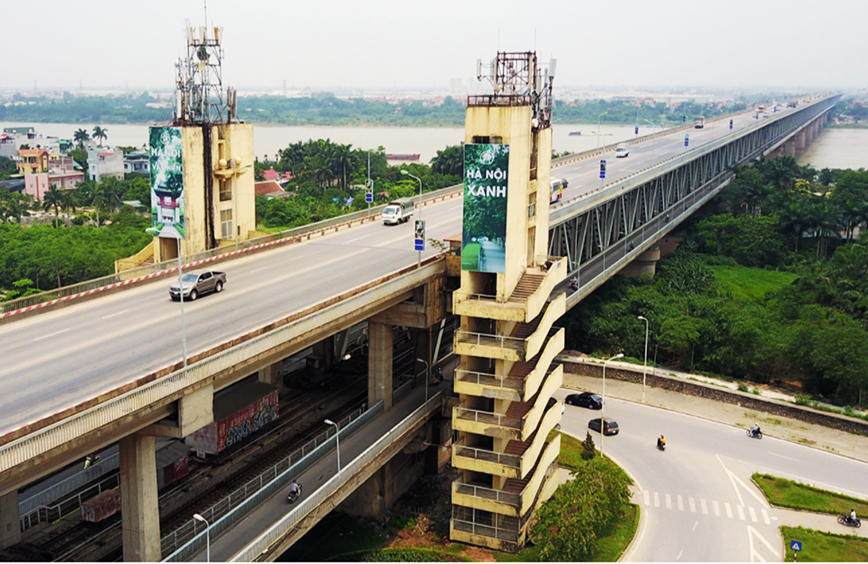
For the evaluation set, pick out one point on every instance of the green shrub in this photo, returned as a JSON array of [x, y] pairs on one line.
[[397, 522], [742, 387]]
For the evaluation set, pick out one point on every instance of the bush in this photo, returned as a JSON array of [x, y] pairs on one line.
[[742, 387], [588, 450]]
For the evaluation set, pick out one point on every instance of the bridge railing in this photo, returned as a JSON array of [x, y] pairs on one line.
[[186, 541], [69, 485], [321, 496]]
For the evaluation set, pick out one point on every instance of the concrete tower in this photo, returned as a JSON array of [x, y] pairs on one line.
[[507, 341]]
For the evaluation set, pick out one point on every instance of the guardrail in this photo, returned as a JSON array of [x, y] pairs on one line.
[[320, 497], [69, 485], [68, 429], [472, 338], [511, 460], [478, 416], [227, 512], [50, 513]]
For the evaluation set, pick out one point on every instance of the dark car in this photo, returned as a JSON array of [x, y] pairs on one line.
[[585, 399], [611, 426]]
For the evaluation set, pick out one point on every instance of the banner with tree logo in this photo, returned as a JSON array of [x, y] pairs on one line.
[[167, 183], [483, 238]]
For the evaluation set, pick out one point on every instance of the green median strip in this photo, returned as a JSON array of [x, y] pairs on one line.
[[819, 546], [787, 493]]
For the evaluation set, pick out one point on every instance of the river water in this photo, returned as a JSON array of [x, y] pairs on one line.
[[835, 148]]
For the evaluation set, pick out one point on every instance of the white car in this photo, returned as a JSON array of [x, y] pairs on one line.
[[622, 150]]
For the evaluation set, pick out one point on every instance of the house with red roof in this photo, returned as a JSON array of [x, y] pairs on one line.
[[32, 161]]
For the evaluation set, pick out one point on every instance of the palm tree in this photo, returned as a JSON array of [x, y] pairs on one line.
[[99, 133], [81, 137], [105, 196], [69, 203], [53, 198], [17, 206]]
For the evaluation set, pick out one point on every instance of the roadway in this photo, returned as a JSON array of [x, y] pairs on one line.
[[698, 501], [61, 358]]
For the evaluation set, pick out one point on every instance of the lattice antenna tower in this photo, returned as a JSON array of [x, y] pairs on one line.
[[517, 79], [199, 81]]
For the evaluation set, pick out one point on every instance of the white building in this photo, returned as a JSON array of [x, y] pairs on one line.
[[102, 163]]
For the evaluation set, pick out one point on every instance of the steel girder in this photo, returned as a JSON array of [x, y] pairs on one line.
[[627, 216]]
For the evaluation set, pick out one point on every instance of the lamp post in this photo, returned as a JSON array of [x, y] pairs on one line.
[[645, 366], [198, 517], [405, 173], [338, 441], [427, 376], [603, 406], [599, 117], [154, 231]]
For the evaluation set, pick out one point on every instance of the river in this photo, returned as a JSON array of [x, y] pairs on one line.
[[835, 148]]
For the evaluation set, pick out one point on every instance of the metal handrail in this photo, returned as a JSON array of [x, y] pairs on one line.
[[479, 416], [460, 449], [502, 339], [320, 497], [70, 484], [469, 375], [499, 496]]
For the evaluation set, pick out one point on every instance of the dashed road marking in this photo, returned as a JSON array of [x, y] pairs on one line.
[[728, 509], [704, 507], [765, 517], [740, 512], [692, 505], [716, 508], [680, 504], [647, 496], [656, 499], [752, 514], [668, 501]]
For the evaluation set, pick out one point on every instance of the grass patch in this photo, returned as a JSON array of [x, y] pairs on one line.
[[403, 555], [750, 283], [819, 546], [787, 493]]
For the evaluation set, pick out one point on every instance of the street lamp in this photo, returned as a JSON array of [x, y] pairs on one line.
[[427, 376], [155, 232], [405, 173], [645, 368], [603, 406], [599, 117], [338, 441], [198, 517]]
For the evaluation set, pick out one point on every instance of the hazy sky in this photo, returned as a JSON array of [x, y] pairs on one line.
[[405, 44]]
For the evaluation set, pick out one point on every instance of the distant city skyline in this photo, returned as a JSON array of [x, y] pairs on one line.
[[98, 45]]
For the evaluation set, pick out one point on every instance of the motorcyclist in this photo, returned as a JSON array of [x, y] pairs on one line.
[[852, 515], [756, 429], [574, 283], [661, 442], [294, 488]]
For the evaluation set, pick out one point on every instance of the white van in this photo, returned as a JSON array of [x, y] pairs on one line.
[[622, 150]]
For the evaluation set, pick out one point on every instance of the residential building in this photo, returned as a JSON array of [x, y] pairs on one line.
[[7, 146], [269, 188], [37, 184], [137, 162], [32, 161], [102, 163]]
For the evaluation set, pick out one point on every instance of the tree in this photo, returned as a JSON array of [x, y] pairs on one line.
[[81, 137], [588, 448], [69, 202], [53, 198], [100, 133], [449, 161]]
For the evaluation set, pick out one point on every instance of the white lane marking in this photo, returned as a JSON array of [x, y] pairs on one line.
[[704, 507], [752, 514], [751, 533], [716, 508], [257, 269], [656, 499], [728, 509], [50, 335], [647, 497], [740, 512], [680, 504], [358, 238], [692, 505], [736, 481], [668, 501], [782, 456], [694, 526], [114, 314], [680, 552], [765, 517]]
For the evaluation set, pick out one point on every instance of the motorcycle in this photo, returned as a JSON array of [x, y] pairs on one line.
[[661, 446], [845, 520], [293, 496], [757, 435]]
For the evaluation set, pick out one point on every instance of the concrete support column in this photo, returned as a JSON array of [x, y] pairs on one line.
[[380, 345], [271, 374], [800, 143], [325, 351], [643, 265], [140, 511], [790, 148], [10, 527]]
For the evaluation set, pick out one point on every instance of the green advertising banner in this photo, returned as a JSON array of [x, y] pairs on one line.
[[483, 237], [167, 183]]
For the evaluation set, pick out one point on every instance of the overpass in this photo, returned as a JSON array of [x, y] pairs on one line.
[[113, 366]]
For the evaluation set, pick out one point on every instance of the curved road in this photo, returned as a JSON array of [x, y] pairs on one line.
[[61, 358], [698, 501]]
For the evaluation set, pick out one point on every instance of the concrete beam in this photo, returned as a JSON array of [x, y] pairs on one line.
[[140, 512], [643, 265], [271, 374], [10, 527], [195, 410], [380, 343], [428, 306]]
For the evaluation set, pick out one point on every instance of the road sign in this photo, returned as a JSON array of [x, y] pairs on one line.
[[637, 130], [730, 124], [602, 168], [795, 546], [369, 197], [420, 235], [686, 139], [683, 119]]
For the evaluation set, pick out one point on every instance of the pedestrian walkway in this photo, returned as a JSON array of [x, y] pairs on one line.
[[701, 506]]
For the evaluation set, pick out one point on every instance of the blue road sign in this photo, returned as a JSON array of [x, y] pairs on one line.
[[602, 168], [730, 124], [637, 130], [686, 140], [795, 546], [420, 244], [369, 197]]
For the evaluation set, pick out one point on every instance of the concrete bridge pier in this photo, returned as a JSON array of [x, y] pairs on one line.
[[789, 148], [271, 374], [140, 512], [801, 139], [380, 343], [10, 528], [643, 265]]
